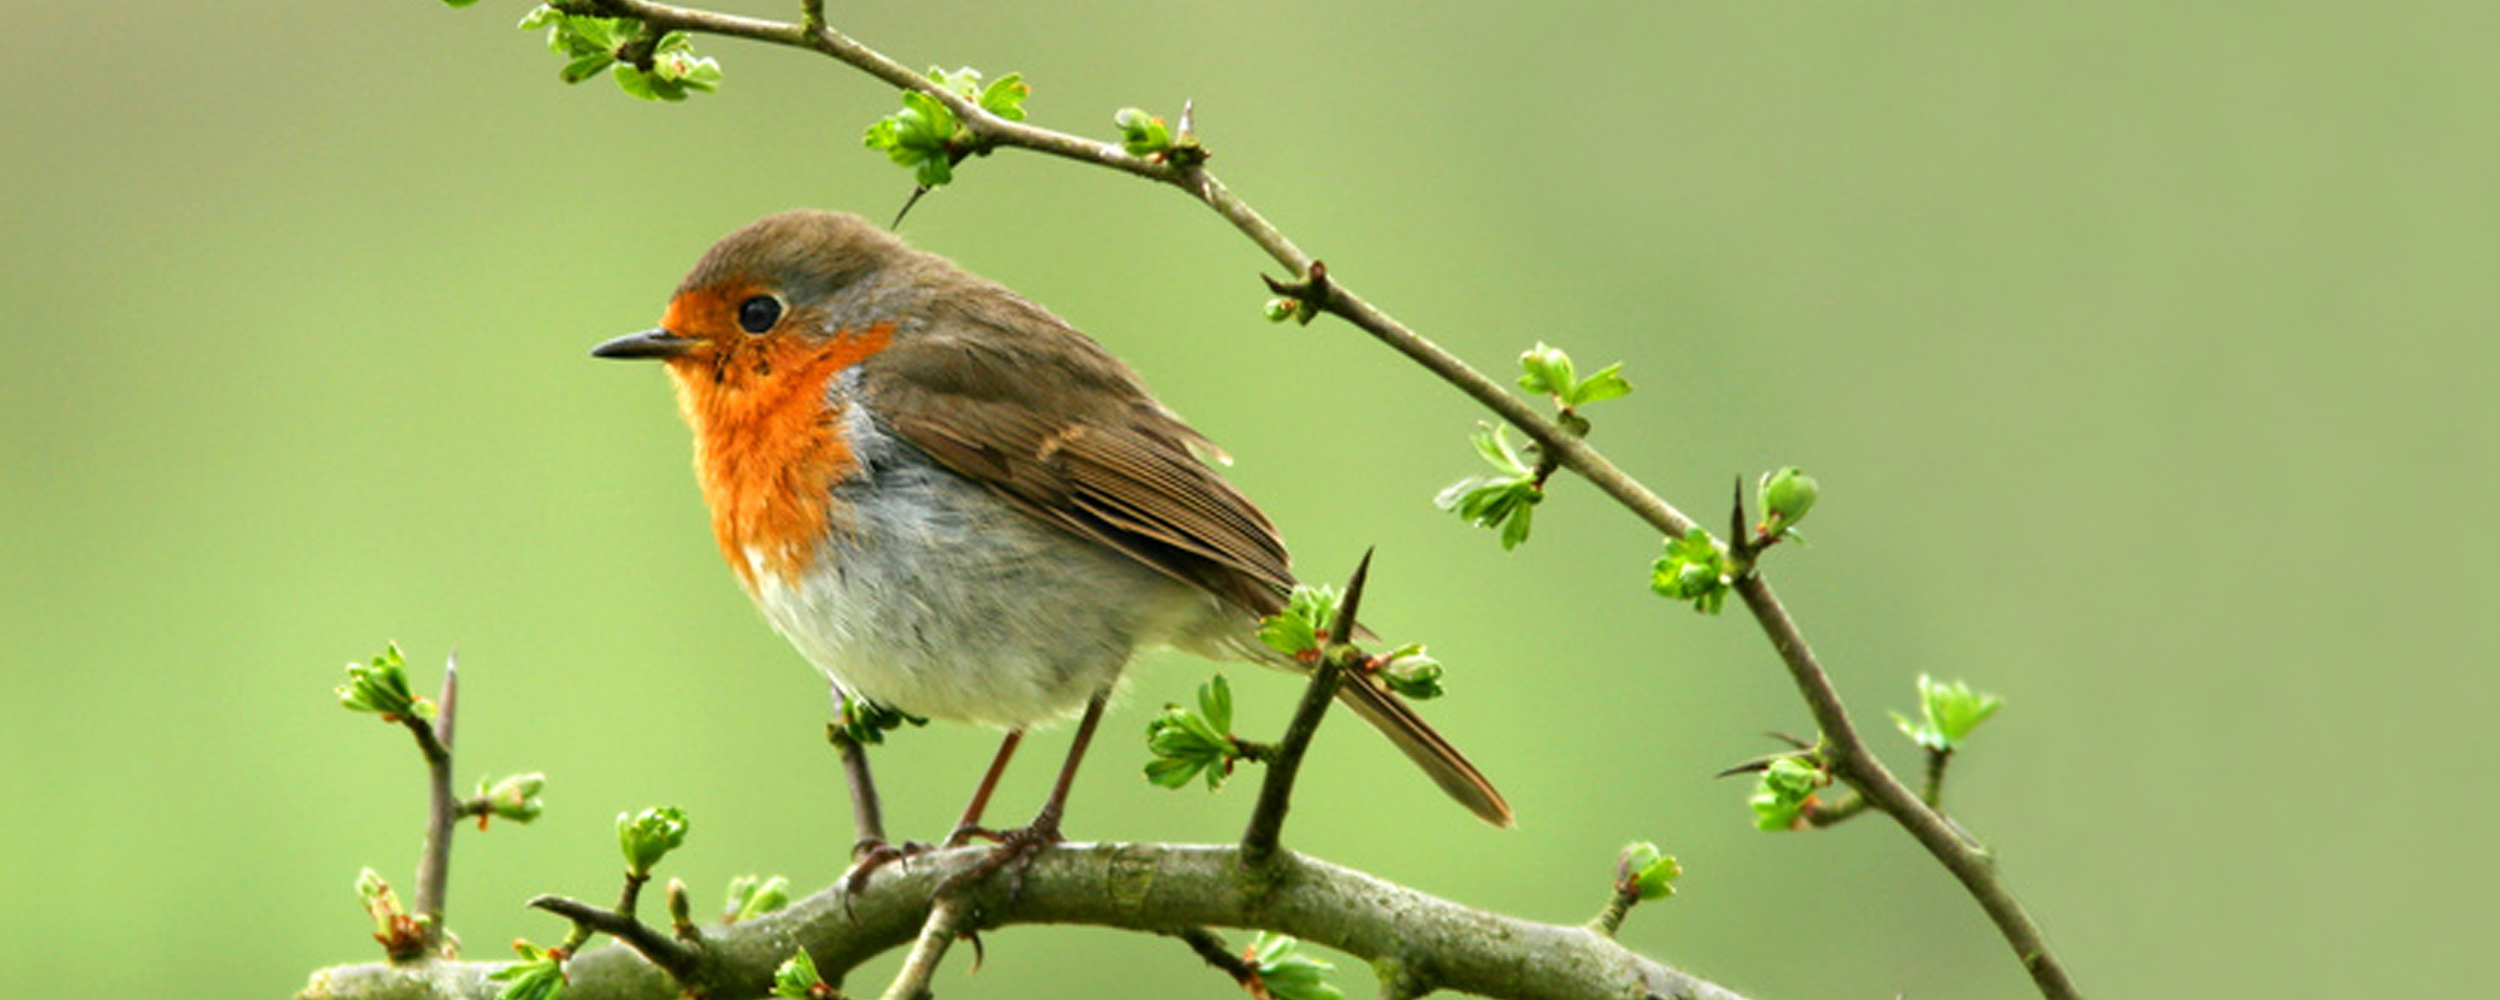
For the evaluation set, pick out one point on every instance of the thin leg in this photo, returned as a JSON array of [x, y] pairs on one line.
[[1046, 824], [1019, 846], [969, 826]]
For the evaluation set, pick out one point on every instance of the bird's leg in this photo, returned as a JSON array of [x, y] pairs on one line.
[[969, 826], [1018, 846]]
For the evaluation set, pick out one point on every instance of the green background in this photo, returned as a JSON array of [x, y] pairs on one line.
[[2143, 351]]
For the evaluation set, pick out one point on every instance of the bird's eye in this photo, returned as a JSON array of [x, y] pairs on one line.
[[759, 313]]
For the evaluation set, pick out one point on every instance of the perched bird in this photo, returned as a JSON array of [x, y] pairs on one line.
[[956, 505]]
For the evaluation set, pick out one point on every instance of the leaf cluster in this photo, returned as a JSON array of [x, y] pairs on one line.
[[1785, 791], [926, 137], [865, 722], [1303, 626], [380, 686], [1548, 371], [1504, 500], [1188, 743], [1948, 713], [752, 896], [539, 975], [654, 69], [1284, 973], [1645, 873], [1694, 568], [647, 836]]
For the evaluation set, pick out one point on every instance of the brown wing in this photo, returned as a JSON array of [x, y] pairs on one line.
[[1044, 416], [1047, 418]]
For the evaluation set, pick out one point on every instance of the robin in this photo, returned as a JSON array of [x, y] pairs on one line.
[[956, 505]]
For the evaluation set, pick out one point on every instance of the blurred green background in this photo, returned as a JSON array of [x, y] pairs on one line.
[[2143, 351]]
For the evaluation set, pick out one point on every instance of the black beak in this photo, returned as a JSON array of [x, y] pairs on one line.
[[647, 344]]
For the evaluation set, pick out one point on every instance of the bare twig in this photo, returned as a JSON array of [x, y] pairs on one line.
[[1267, 818], [1210, 948], [950, 917], [443, 811], [1931, 789], [680, 959]]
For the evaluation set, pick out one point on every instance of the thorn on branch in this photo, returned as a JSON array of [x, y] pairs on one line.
[[1267, 818], [683, 960], [1301, 300]]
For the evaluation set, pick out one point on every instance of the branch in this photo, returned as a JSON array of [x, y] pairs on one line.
[[949, 918], [443, 809], [1267, 818], [1158, 889], [1851, 760]]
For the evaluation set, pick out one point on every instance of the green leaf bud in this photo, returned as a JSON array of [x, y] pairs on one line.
[[648, 836], [1787, 495]]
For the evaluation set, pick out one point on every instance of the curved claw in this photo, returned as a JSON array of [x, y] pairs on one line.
[[1015, 852], [869, 855]]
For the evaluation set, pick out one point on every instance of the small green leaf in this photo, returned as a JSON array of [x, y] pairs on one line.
[[380, 686], [1142, 134], [1784, 792], [1186, 744], [1412, 672], [1504, 501], [1608, 383], [1693, 569], [865, 722], [1005, 98], [648, 836], [797, 978], [1492, 443], [1284, 974], [539, 975], [1646, 873], [514, 798], [1297, 630], [1951, 712], [752, 896], [586, 66], [1545, 370], [1215, 702], [1787, 494]]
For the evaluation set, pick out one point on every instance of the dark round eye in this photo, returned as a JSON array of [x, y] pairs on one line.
[[759, 313]]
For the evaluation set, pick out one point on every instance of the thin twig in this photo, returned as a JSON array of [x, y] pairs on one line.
[[867, 810], [1850, 760], [680, 959], [1931, 789], [950, 914], [1211, 949], [443, 809], [1267, 818]]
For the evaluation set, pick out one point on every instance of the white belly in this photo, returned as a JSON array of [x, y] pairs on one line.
[[948, 602]]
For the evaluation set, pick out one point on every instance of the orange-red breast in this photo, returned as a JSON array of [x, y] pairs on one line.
[[952, 502]]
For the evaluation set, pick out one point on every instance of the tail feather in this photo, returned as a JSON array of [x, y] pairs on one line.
[[1426, 748]]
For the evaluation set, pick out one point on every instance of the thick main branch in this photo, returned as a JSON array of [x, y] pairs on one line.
[[1162, 889]]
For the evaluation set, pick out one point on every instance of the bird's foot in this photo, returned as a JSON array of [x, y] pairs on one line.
[[1016, 851], [872, 853]]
